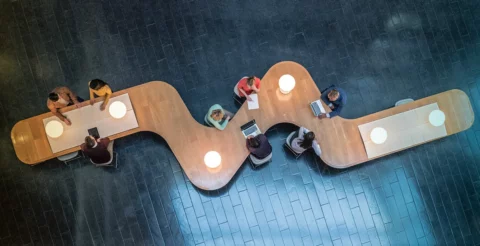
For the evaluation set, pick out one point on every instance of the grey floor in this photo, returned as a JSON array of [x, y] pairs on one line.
[[378, 51]]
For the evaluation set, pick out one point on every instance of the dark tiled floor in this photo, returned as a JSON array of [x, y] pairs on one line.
[[379, 51]]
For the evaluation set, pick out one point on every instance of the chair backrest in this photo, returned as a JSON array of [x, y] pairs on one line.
[[257, 161], [403, 101]]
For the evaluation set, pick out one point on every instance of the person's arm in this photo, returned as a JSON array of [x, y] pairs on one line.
[[105, 141], [302, 131], [335, 111], [91, 93], [107, 97], [316, 148], [58, 114], [256, 85]]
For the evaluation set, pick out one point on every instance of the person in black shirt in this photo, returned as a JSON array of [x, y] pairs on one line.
[[259, 146]]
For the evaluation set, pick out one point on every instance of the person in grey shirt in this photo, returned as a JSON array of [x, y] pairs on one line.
[[304, 140]]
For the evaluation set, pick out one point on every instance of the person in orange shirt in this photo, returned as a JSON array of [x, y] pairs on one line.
[[248, 85], [62, 97], [101, 89]]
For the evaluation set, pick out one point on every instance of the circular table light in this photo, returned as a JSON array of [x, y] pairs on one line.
[[436, 117], [54, 129], [212, 159], [117, 109], [378, 135], [286, 83]]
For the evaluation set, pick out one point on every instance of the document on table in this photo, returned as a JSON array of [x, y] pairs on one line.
[[254, 103]]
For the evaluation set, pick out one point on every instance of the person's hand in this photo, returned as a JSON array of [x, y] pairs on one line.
[[249, 98], [249, 136], [77, 105], [92, 101], [331, 107], [67, 121], [103, 106], [322, 116], [228, 118]]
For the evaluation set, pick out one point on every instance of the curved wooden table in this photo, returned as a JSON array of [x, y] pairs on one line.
[[160, 109]]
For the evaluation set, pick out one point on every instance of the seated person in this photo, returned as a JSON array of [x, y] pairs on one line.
[[100, 151], [248, 85], [304, 139], [62, 97], [335, 98], [218, 117], [259, 146], [101, 89]]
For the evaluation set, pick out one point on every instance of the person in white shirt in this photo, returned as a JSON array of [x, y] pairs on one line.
[[303, 140]]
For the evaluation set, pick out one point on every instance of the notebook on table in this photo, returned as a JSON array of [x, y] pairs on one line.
[[250, 129], [317, 108]]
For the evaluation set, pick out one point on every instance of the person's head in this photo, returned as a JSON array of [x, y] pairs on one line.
[[90, 141], [253, 142], [307, 140], [217, 114], [97, 84], [53, 96], [250, 81], [333, 95]]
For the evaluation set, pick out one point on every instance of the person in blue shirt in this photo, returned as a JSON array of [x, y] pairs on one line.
[[335, 98]]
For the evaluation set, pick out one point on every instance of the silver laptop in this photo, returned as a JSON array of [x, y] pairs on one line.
[[250, 129], [317, 108]]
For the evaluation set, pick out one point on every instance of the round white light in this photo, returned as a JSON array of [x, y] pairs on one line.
[[117, 109], [54, 129], [286, 83], [436, 117], [378, 135], [212, 159]]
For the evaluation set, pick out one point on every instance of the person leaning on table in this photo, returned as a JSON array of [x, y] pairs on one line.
[[62, 97], [335, 98], [101, 89], [248, 85]]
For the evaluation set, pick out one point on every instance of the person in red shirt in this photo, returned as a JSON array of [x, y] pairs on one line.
[[98, 150], [248, 85]]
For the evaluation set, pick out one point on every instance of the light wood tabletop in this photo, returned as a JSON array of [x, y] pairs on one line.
[[160, 109]]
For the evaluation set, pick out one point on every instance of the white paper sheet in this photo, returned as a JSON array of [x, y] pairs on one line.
[[254, 103]]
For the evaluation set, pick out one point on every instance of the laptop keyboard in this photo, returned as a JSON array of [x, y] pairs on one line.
[[250, 130], [315, 108]]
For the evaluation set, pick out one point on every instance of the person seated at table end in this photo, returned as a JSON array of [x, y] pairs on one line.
[[218, 117], [98, 150], [62, 97], [304, 140], [248, 85], [259, 146], [99, 88], [335, 98]]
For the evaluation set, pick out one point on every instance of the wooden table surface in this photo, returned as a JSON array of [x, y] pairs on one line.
[[160, 109]]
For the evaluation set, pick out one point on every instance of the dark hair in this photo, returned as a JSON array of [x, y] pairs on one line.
[[89, 142], [96, 84], [250, 80], [253, 142], [307, 140], [53, 96]]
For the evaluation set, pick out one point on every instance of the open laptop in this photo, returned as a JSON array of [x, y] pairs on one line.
[[317, 108], [250, 129]]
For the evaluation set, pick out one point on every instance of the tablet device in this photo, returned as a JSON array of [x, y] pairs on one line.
[[93, 132]]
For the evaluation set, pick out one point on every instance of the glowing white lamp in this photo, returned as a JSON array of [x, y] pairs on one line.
[[286, 83], [117, 109], [378, 135], [212, 159], [436, 117], [54, 129]]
